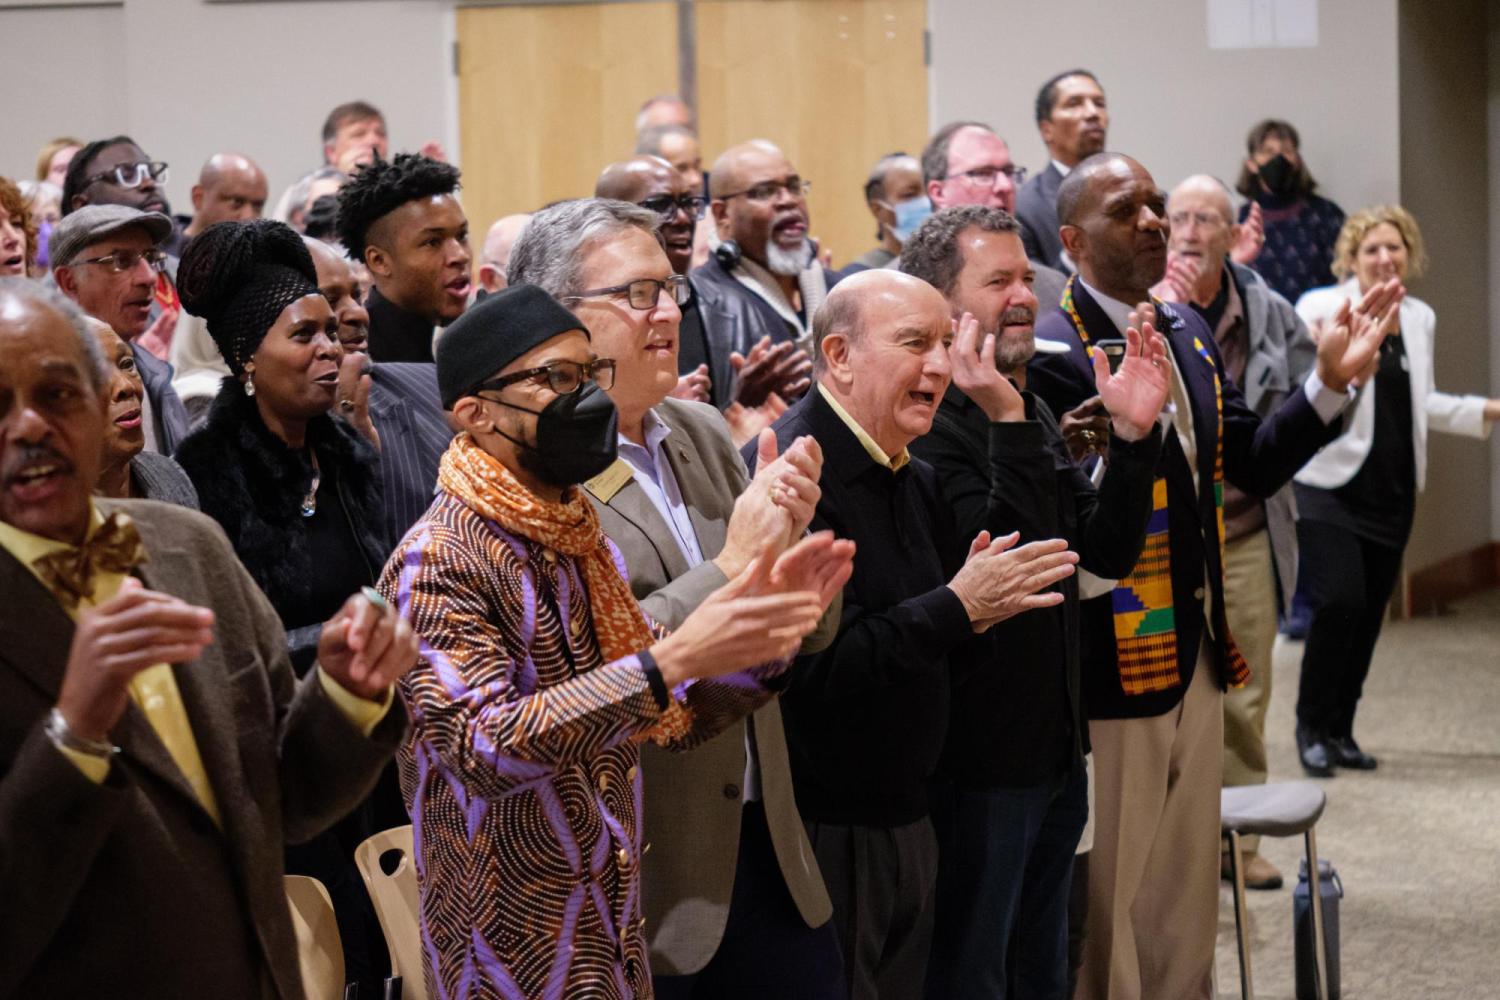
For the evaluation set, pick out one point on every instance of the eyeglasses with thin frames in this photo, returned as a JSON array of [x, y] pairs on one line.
[[121, 261], [642, 293], [563, 377], [985, 177], [767, 190], [132, 175]]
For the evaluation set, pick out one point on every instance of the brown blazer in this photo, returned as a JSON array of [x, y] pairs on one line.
[[128, 888], [693, 800]]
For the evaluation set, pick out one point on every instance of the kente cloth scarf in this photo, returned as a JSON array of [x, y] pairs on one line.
[[571, 527], [114, 547], [1144, 617]]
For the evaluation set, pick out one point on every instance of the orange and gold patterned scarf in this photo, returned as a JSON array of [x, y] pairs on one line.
[[572, 527]]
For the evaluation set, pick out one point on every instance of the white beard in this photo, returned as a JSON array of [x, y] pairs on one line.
[[787, 263]]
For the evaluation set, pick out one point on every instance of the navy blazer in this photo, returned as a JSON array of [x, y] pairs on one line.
[[167, 409], [1260, 455], [1036, 207], [414, 433]]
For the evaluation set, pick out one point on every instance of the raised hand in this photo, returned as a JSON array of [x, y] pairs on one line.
[[1181, 278], [353, 395], [1349, 347], [1135, 394], [746, 422], [1085, 428], [783, 369], [694, 386], [1250, 238], [775, 508], [367, 646], [744, 623], [820, 564], [975, 374], [114, 641], [998, 581]]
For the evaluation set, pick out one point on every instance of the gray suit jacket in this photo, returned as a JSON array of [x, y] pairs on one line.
[[1281, 355], [128, 888], [1036, 207], [693, 800], [157, 477]]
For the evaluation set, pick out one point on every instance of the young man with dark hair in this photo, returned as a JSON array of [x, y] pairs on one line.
[[1073, 120], [400, 217]]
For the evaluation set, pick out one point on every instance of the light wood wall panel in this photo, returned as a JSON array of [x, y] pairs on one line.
[[835, 83], [548, 95]]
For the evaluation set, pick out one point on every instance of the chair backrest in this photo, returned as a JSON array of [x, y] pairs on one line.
[[396, 904], [320, 954]]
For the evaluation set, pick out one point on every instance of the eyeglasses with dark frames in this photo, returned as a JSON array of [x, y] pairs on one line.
[[985, 176], [767, 190], [643, 293], [563, 377], [132, 175], [667, 207], [121, 261]]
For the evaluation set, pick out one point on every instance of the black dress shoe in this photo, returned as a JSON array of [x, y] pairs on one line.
[[1346, 753], [1317, 758]]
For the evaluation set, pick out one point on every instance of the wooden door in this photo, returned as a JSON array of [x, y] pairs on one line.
[[548, 96], [836, 84]]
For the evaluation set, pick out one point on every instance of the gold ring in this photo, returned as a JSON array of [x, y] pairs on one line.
[[347, 405]]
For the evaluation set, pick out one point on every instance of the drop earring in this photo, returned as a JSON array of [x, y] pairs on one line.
[[249, 383]]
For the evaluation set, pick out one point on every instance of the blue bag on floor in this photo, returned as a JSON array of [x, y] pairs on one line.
[[1332, 890]]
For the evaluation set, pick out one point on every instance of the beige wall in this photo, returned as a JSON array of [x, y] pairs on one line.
[[1177, 106], [1444, 179], [188, 79], [1494, 284]]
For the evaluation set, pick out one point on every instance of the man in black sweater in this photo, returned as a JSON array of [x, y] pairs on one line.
[[400, 218], [1017, 804], [865, 718]]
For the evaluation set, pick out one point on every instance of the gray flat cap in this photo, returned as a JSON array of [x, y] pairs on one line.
[[92, 223]]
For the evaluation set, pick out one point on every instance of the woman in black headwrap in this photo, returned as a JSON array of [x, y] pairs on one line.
[[296, 489]]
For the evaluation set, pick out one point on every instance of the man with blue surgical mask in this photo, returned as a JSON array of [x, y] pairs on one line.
[[895, 196]]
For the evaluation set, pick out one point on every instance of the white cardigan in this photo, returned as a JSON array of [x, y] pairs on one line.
[[1337, 463]]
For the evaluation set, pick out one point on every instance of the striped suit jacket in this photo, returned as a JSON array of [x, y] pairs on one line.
[[414, 433], [522, 772]]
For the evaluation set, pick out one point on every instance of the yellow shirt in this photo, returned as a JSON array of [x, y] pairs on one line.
[[154, 690], [875, 451]]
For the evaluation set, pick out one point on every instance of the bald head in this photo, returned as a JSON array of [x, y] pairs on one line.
[[730, 168], [495, 257], [1202, 227], [1113, 221], [230, 188], [664, 109], [882, 341], [759, 202], [633, 179]]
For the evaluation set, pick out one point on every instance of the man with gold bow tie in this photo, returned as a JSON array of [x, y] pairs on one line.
[[156, 751]]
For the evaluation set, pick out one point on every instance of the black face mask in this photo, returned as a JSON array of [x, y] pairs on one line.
[[1278, 175], [577, 436]]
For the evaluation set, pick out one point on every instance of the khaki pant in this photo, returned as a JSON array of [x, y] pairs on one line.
[[1154, 871], [1250, 604]]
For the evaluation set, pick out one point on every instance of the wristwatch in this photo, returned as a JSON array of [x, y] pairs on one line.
[[63, 737]]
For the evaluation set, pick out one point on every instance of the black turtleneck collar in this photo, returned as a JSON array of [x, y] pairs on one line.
[[396, 334]]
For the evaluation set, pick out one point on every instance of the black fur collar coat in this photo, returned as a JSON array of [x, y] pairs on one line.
[[250, 482]]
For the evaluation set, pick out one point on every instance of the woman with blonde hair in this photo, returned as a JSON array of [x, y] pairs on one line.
[[52, 159], [1356, 498]]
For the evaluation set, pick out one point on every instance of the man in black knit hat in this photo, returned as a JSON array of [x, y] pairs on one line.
[[401, 219]]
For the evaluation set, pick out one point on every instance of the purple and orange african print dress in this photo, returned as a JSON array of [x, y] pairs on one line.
[[521, 772]]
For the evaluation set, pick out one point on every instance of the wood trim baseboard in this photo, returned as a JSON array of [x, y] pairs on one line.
[[1430, 589]]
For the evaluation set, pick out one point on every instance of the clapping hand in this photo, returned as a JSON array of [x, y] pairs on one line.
[[783, 369], [1250, 238], [367, 646], [1181, 278], [999, 581], [1349, 346], [975, 374], [1085, 428], [1135, 394], [694, 386], [777, 506], [354, 395]]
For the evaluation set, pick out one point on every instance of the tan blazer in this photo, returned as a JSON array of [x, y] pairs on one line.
[[128, 888], [693, 800]]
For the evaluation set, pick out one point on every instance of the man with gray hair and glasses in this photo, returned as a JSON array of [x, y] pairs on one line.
[[730, 874], [107, 258]]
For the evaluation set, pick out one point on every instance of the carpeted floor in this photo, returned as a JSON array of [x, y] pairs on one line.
[[1417, 842]]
